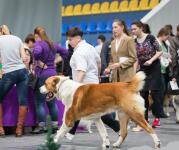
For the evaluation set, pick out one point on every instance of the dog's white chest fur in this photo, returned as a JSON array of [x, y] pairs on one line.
[[66, 92]]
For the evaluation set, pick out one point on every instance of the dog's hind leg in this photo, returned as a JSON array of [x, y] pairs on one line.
[[103, 133], [123, 120], [140, 120]]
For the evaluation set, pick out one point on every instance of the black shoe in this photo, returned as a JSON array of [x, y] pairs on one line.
[[163, 116]]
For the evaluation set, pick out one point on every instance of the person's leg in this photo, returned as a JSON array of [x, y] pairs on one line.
[[73, 130], [53, 111], [22, 91], [163, 88], [2, 133], [157, 108], [145, 95], [6, 83], [111, 122], [40, 107]]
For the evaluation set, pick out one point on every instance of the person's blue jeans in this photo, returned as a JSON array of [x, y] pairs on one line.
[[18, 77], [40, 104]]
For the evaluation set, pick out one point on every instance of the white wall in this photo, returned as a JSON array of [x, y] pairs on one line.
[[167, 12]]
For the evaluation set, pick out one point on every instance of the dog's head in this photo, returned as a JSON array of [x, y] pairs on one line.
[[52, 85]]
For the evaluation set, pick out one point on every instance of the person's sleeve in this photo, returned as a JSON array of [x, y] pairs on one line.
[[21, 44], [132, 56], [97, 57], [173, 53], [81, 62], [62, 51], [37, 51], [105, 56], [155, 44]]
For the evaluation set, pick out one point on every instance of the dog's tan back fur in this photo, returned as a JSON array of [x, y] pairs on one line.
[[98, 98]]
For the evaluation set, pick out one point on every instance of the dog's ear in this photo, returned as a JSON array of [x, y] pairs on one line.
[[56, 80]]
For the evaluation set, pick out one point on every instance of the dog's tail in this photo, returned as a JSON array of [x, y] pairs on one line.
[[137, 82]]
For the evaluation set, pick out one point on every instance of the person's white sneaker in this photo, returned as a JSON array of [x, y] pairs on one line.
[[69, 136], [168, 114], [137, 129]]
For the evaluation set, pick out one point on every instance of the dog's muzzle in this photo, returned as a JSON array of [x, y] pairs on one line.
[[43, 90]]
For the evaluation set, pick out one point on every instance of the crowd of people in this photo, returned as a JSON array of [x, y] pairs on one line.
[[116, 60]]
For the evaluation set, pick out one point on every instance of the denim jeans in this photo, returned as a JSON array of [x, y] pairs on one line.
[[40, 104], [18, 77]]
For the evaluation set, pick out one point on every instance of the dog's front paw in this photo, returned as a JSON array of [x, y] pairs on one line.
[[158, 145], [104, 146], [116, 145], [56, 139]]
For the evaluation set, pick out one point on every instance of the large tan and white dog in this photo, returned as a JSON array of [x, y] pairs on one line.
[[91, 101]]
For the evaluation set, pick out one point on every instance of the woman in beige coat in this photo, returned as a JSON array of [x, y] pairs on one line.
[[123, 54]]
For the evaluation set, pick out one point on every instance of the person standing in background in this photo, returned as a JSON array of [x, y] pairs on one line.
[[123, 54], [14, 72], [45, 51], [148, 54], [105, 55], [100, 40], [29, 42], [170, 29], [174, 51], [165, 60], [28, 46]]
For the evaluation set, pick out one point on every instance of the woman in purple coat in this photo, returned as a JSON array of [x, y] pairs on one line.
[[44, 51]]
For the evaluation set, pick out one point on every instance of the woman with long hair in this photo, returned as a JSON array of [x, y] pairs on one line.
[[123, 53], [44, 51], [148, 54], [165, 60]]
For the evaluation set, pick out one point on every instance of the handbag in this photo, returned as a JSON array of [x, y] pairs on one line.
[[34, 79]]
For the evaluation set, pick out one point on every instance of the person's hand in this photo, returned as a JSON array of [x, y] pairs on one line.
[[107, 71], [148, 63], [41, 65], [174, 80], [114, 66]]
